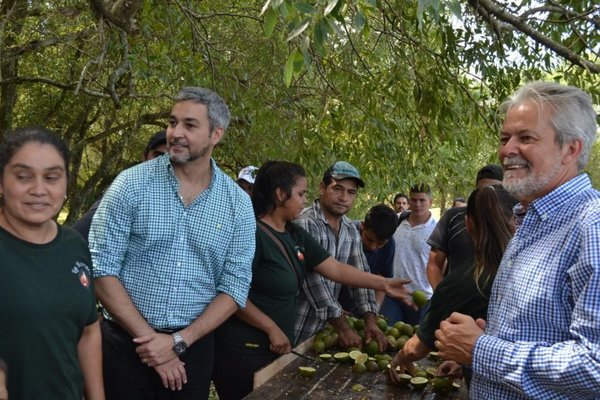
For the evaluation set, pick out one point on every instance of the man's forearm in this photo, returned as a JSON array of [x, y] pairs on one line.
[[339, 323], [436, 265], [114, 297], [379, 298], [217, 312]]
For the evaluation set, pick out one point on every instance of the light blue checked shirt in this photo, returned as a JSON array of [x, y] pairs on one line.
[[542, 338], [173, 260]]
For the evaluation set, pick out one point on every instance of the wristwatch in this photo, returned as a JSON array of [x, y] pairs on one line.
[[180, 345]]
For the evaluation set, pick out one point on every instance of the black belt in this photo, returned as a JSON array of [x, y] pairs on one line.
[[168, 331]]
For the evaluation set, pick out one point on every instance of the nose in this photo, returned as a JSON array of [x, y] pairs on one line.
[[173, 131], [38, 188], [508, 148]]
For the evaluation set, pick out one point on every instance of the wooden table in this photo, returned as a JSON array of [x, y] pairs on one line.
[[281, 380]]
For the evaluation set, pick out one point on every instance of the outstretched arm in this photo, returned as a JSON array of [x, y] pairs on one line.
[[347, 275]]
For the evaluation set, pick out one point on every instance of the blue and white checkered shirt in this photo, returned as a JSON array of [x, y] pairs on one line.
[[172, 259], [542, 338]]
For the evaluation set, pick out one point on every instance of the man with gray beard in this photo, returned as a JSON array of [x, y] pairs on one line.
[[542, 337]]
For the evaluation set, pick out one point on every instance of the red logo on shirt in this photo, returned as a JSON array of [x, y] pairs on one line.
[[83, 278], [300, 253], [83, 272]]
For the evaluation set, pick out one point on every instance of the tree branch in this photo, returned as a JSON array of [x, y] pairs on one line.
[[563, 51]]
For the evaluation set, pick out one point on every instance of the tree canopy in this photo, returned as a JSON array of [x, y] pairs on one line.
[[405, 90]]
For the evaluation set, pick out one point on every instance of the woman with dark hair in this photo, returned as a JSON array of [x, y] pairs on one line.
[[264, 329], [50, 336], [490, 223]]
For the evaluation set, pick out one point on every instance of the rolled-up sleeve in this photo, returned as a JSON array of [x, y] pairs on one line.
[[110, 229], [237, 270]]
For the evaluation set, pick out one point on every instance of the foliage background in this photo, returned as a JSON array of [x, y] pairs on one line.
[[405, 90]]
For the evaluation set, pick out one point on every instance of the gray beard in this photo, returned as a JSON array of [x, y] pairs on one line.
[[529, 185], [182, 159]]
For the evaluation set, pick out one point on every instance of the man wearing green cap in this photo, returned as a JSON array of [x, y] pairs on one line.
[[326, 221]]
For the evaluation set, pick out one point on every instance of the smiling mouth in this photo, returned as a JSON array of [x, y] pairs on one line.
[[514, 167], [37, 205]]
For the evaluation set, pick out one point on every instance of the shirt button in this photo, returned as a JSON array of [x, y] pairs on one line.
[[179, 264]]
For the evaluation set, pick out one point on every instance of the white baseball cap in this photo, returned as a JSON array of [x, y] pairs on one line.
[[248, 174]]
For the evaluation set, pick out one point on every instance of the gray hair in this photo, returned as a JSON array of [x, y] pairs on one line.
[[573, 116], [218, 112]]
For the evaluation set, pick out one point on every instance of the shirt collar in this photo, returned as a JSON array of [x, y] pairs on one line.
[[546, 205]]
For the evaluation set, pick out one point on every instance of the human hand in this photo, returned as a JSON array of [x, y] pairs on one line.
[[155, 349], [457, 336], [172, 374], [280, 343], [400, 365], [348, 338], [450, 368], [372, 331], [396, 288]]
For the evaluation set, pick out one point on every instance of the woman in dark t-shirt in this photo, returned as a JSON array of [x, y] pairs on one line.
[[264, 329], [50, 336], [489, 220]]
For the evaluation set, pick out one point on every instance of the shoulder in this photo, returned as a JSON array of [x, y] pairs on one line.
[[308, 217], [350, 225], [230, 193], [140, 176], [587, 209], [70, 235]]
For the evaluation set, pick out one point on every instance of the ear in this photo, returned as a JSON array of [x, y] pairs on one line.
[[217, 135], [571, 151], [322, 188], [280, 195]]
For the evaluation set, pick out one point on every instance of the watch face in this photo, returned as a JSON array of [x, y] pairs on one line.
[[180, 348]]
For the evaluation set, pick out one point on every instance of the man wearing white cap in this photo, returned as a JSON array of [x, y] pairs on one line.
[[246, 178]]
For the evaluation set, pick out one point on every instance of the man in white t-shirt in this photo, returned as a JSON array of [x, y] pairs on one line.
[[412, 252]]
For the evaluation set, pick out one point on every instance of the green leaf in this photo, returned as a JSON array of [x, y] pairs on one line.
[[320, 34], [329, 7], [298, 30], [305, 8], [359, 21], [305, 44], [277, 3], [270, 22], [290, 65], [455, 9], [265, 7], [298, 61]]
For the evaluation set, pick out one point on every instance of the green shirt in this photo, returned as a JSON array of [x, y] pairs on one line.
[[46, 300], [275, 286], [456, 292]]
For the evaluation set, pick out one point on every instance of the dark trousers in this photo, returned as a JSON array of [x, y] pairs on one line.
[[126, 378], [233, 373]]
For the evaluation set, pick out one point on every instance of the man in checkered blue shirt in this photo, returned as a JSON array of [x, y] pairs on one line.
[[172, 244], [542, 338]]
